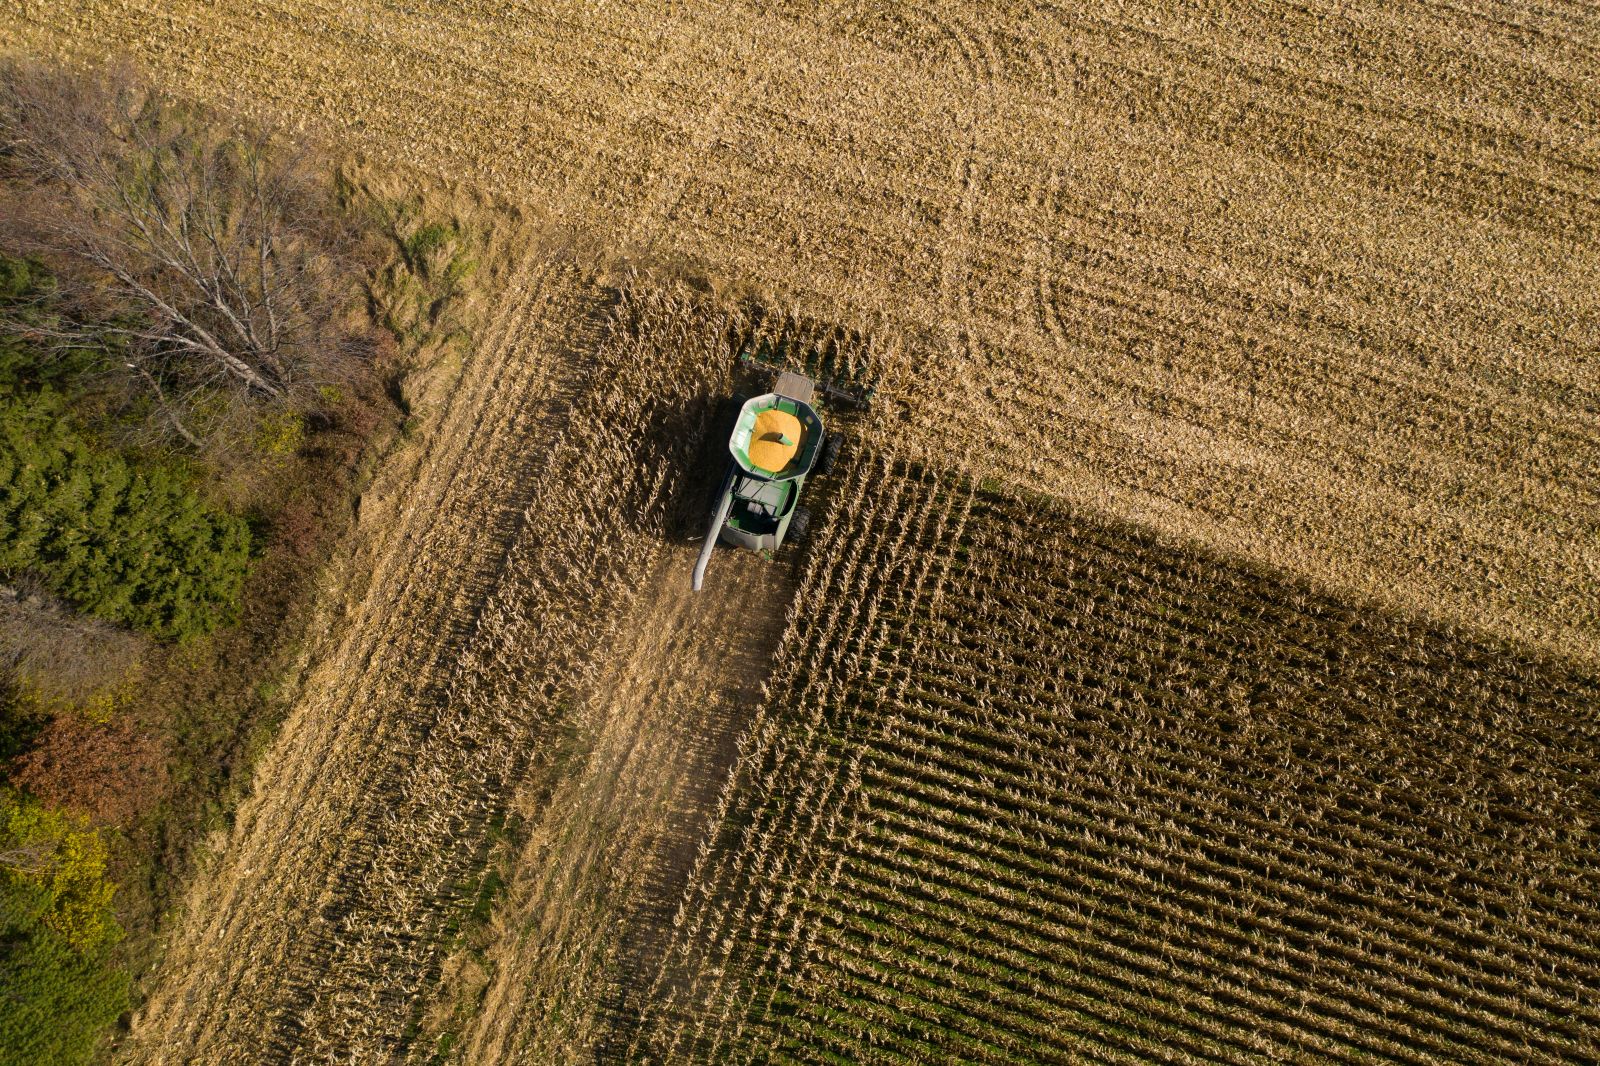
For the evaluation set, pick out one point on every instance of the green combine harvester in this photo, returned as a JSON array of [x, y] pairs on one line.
[[776, 442]]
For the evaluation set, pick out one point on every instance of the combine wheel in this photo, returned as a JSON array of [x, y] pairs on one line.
[[830, 453], [799, 526]]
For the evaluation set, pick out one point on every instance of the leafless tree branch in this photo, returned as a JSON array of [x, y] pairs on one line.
[[211, 251]]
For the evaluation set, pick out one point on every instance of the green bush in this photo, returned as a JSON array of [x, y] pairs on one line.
[[130, 544], [27, 299], [63, 857], [24, 285], [59, 989], [279, 435]]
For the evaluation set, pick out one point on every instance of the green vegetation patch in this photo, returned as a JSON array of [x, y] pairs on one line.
[[124, 542], [58, 986]]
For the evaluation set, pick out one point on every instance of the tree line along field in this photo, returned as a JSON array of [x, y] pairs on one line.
[[1309, 284], [1034, 786]]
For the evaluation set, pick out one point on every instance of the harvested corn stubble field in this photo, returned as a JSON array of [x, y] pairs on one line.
[[1310, 283], [1197, 660]]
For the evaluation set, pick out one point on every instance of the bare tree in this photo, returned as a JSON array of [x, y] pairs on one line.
[[208, 259]]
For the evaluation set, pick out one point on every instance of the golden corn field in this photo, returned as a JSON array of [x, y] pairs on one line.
[[1197, 657]]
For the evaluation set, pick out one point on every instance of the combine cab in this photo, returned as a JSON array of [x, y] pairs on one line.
[[776, 442]]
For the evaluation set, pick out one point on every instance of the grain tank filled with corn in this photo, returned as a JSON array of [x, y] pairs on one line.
[[776, 441]]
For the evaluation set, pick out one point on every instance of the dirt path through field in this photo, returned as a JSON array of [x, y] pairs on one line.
[[653, 741]]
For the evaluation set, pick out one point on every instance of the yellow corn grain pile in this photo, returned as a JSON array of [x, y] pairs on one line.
[[774, 439]]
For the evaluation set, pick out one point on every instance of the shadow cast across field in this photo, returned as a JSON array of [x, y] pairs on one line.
[[1153, 793]]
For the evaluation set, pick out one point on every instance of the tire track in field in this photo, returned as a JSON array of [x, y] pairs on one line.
[[1134, 331], [973, 50], [1374, 123], [713, 98], [655, 736]]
